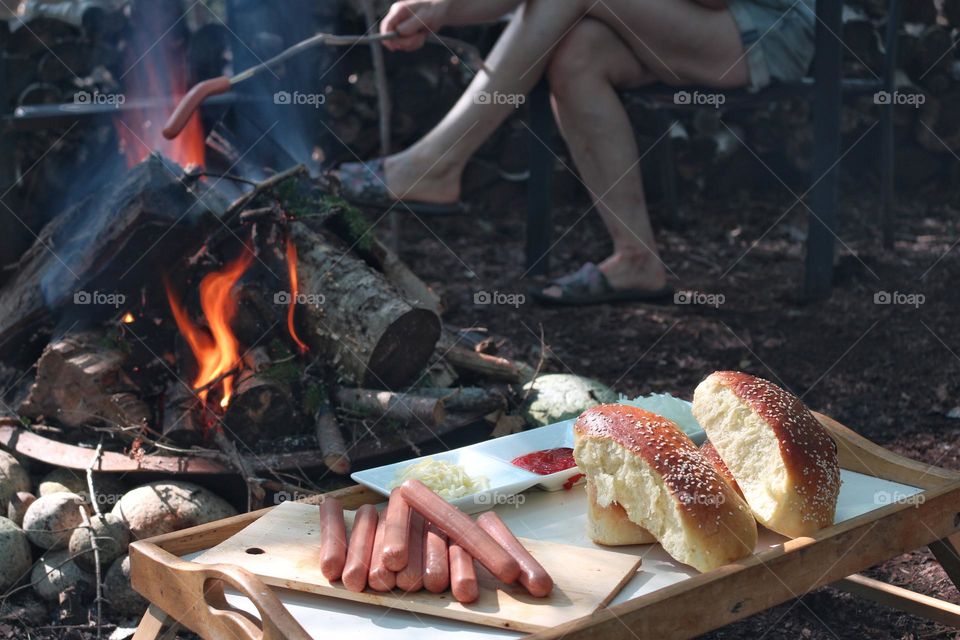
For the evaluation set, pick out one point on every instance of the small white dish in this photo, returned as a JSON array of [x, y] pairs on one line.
[[504, 480], [552, 436]]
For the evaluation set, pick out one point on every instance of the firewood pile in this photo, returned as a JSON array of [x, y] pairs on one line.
[[270, 324]]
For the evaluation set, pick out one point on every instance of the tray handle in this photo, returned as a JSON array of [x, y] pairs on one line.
[[193, 593]]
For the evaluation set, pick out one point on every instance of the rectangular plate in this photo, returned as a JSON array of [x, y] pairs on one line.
[[491, 459], [283, 549]]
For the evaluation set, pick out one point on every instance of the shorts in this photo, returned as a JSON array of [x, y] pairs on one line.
[[777, 36]]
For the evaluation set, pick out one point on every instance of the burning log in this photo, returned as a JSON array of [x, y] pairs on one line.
[[182, 418], [402, 407], [80, 380], [117, 230], [262, 405], [355, 318]]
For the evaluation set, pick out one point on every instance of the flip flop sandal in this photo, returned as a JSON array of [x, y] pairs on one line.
[[589, 285], [364, 184]]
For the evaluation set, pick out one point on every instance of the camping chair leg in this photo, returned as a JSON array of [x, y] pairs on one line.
[[667, 166], [538, 187], [818, 279], [886, 174]]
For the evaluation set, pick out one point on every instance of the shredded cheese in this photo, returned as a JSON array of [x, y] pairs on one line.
[[448, 480]]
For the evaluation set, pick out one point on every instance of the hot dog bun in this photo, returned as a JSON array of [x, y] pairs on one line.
[[710, 453], [655, 472], [781, 457], [610, 525]]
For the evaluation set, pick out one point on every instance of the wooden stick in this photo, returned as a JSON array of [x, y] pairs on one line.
[[255, 492], [475, 400], [404, 407], [385, 108], [331, 440], [487, 366]]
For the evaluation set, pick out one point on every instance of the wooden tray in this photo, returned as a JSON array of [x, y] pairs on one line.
[[282, 549], [191, 594]]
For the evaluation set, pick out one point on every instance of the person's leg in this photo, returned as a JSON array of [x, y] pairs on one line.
[[677, 40], [585, 71]]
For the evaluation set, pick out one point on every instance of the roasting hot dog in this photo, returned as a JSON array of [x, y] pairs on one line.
[[532, 574], [436, 563], [333, 539], [380, 578], [396, 533], [361, 548], [410, 578], [461, 530], [463, 575]]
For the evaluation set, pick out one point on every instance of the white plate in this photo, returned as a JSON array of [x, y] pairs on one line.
[[491, 459], [505, 480]]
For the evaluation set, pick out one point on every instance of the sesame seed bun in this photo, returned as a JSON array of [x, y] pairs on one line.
[[610, 525], [648, 466], [782, 458], [710, 453]]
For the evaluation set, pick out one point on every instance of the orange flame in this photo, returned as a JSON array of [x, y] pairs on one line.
[[294, 294], [128, 318], [217, 351]]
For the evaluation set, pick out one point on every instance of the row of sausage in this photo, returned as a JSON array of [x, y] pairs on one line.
[[422, 541]]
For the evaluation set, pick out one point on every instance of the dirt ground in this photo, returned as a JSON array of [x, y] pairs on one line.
[[887, 370]]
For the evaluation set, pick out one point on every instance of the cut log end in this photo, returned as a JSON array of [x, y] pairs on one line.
[[403, 349]]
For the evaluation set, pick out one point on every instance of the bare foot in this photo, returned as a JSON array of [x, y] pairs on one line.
[[642, 271], [410, 178]]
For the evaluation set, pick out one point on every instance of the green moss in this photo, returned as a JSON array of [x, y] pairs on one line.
[[287, 372], [314, 397]]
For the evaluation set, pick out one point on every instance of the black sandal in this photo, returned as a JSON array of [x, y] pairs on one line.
[[364, 184], [588, 285]]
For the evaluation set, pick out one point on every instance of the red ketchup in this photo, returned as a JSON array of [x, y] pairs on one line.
[[547, 461]]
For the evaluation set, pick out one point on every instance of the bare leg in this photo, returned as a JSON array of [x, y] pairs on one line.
[[430, 170], [676, 41], [585, 72]]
